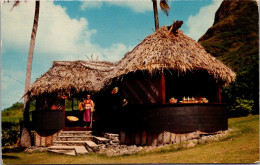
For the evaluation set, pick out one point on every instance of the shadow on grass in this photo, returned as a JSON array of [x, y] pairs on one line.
[[12, 149], [10, 157]]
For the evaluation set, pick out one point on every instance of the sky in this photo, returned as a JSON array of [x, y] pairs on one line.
[[81, 30]]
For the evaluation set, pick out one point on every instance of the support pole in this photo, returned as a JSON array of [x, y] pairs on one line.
[[162, 88], [72, 104], [218, 92]]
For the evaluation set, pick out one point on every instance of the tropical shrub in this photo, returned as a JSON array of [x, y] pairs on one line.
[[10, 133], [241, 107]]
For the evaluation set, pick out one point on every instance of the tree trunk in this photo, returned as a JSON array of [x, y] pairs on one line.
[[26, 116], [155, 11]]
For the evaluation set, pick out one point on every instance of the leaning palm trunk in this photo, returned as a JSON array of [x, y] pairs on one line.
[[25, 138]]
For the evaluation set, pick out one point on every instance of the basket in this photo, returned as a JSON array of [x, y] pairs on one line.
[[72, 118]]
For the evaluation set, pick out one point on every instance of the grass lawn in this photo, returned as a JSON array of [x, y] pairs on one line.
[[241, 146]]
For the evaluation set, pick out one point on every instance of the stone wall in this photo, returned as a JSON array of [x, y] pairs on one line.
[[156, 139], [44, 138]]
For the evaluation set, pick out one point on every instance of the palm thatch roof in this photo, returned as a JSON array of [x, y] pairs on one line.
[[77, 76], [163, 50], [157, 52]]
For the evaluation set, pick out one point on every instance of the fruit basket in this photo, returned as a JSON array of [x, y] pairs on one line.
[[172, 100], [203, 100], [72, 118]]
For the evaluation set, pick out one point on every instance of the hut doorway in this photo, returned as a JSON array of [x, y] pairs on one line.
[[73, 116]]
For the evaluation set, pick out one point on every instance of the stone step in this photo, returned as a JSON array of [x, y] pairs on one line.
[[65, 152], [74, 138], [75, 133], [80, 150], [89, 132], [100, 140], [61, 148], [69, 143], [110, 135], [91, 146]]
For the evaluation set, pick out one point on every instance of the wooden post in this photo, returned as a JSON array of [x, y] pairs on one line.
[[138, 139], [162, 89], [149, 138], [122, 137], [144, 138], [72, 104], [64, 119], [127, 138], [218, 92]]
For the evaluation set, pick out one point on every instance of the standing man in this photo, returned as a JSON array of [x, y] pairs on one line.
[[88, 105]]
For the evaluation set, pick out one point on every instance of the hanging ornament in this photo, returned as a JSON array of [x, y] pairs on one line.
[[125, 102], [115, 90]]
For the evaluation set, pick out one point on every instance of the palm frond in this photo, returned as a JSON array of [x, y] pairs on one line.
[[164, 6]]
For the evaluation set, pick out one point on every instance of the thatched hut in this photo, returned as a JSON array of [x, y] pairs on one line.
[[58, 90], [169, 64], [165, 64]]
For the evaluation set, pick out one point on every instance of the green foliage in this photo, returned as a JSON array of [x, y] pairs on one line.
[[15, 113], [10, 132], [11, 111], [68, 104], [234, 40], [242, 107], [11, 121]]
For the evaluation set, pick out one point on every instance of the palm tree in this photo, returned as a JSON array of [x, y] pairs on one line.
[[25, 138], [155, 12], [164, 7]]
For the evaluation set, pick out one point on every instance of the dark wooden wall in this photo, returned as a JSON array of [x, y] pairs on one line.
[[47, 120], [140, 88], [177, 118]]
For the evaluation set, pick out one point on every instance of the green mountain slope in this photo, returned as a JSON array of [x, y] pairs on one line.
[[234, 39], [15, 113]]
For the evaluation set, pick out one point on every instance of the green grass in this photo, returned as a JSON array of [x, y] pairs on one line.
[[241, 146]]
